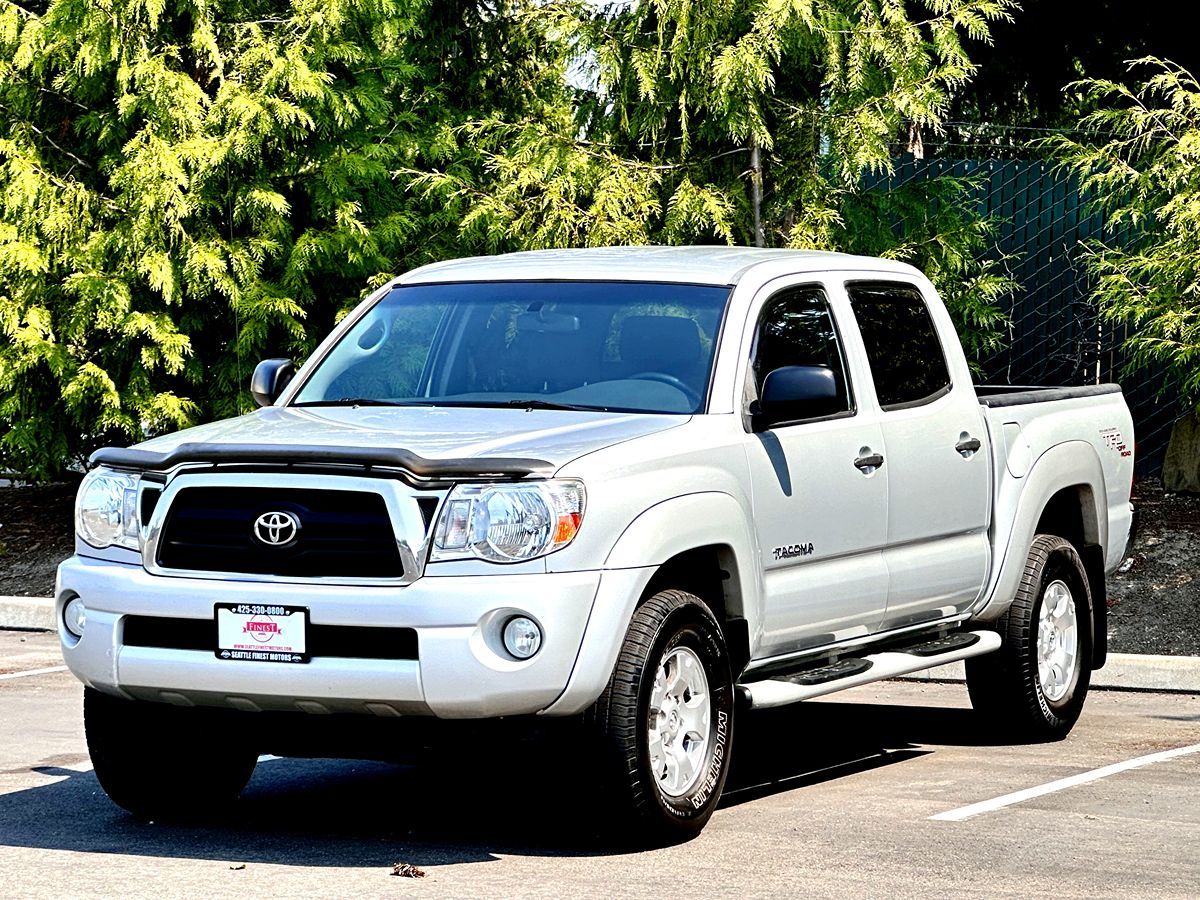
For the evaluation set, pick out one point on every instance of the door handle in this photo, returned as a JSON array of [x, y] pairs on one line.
[[967, 445], [869, 463]]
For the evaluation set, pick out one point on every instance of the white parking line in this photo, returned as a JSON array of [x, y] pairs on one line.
[[975, 809], [28, 672]]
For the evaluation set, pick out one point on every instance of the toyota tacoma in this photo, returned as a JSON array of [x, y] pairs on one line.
[[646, 489]]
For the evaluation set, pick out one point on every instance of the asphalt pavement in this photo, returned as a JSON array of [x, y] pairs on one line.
[[890, 790]]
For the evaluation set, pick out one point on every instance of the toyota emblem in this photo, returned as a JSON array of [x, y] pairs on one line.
[[276, 528]]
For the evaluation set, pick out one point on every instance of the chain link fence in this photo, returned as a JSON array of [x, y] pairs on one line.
[[1056, 335]]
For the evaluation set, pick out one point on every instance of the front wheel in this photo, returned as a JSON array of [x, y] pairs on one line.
[[666, 718], [163, 762], [1035, 684]]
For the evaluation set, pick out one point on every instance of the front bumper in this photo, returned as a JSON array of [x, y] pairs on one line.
[[462, 671]]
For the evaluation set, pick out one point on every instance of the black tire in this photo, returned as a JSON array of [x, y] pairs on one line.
[[166, 763], [667, 621], [1005, 686]]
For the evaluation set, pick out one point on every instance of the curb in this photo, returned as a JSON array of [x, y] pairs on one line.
[[1123, 672], [33, 613]]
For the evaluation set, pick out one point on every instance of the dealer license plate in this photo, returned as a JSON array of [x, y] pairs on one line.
[[262, 633]]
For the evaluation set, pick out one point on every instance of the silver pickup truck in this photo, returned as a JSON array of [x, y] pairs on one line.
[[645, 488]]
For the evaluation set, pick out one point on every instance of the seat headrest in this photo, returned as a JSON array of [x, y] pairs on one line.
[[668, 344], [549, 361]]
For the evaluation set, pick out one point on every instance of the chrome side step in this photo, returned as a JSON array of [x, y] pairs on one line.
[[880, 666]]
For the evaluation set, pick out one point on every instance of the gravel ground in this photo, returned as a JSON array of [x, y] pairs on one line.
[[36, 534], [1154, 602]]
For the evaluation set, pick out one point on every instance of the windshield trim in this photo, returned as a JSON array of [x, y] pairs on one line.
[[671, 281], [308, 367]]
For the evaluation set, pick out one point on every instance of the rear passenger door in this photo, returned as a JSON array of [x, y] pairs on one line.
[[939, 486], [819, 509]]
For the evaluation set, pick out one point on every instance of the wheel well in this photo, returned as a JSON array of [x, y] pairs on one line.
[[1071, 514], [711, 573]]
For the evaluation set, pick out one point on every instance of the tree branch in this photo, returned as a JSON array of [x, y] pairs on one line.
[[49, 140]]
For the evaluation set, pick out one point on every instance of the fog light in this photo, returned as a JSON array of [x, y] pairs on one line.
[[522, 637], [75, 616]]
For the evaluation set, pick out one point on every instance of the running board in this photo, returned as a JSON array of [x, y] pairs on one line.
[[866, 669]]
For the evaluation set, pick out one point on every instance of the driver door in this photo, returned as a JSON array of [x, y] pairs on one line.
[[820, 514]]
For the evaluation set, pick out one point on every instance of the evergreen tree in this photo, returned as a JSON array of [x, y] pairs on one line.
[[689, 112], [188, 185], [1139, 162]]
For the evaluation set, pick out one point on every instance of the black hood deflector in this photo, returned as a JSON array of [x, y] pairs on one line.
[[322, 455]]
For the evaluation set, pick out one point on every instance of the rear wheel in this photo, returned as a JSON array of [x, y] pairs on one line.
[[1036, 683], [163, 762], [666, 718]]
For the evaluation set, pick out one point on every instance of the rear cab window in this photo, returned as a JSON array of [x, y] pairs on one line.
[[908, 365]]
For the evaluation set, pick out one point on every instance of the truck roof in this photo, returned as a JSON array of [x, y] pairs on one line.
[[716, 265]]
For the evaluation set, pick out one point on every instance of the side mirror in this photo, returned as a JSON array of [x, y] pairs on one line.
[[270, 377], [795, 393]]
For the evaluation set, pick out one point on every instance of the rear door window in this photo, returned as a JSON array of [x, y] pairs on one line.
[[907, 363]]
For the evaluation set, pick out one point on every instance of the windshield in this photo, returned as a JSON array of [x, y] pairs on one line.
[[618, 346]]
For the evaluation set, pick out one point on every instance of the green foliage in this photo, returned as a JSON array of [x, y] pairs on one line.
[[676, 93], [188, 186], [1140, 165], [933, 225]]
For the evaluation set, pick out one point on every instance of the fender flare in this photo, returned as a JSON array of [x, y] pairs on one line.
[[659, 533], [684, 523], [1073, 464]]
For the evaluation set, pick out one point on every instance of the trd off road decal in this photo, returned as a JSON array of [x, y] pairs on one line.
[[788, 551], [1114, 440]]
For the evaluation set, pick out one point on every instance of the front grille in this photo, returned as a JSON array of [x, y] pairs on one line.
[[340, 534], [345, 641]]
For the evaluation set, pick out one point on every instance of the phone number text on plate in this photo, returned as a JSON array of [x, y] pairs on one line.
[[254, 609]]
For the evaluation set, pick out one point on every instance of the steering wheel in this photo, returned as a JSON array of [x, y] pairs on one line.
[[664, 378]]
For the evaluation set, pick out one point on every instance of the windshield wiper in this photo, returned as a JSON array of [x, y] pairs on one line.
[[535, 403], [531, 403], [527, 403], [359, 401]]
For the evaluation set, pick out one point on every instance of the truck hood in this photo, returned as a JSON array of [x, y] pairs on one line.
[[555, 436]]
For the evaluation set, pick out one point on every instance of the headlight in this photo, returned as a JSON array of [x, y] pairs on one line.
[[106, 509], [508, 522]]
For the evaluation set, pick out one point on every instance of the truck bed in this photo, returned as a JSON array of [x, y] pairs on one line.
[[1081, 437], [998, 395]]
